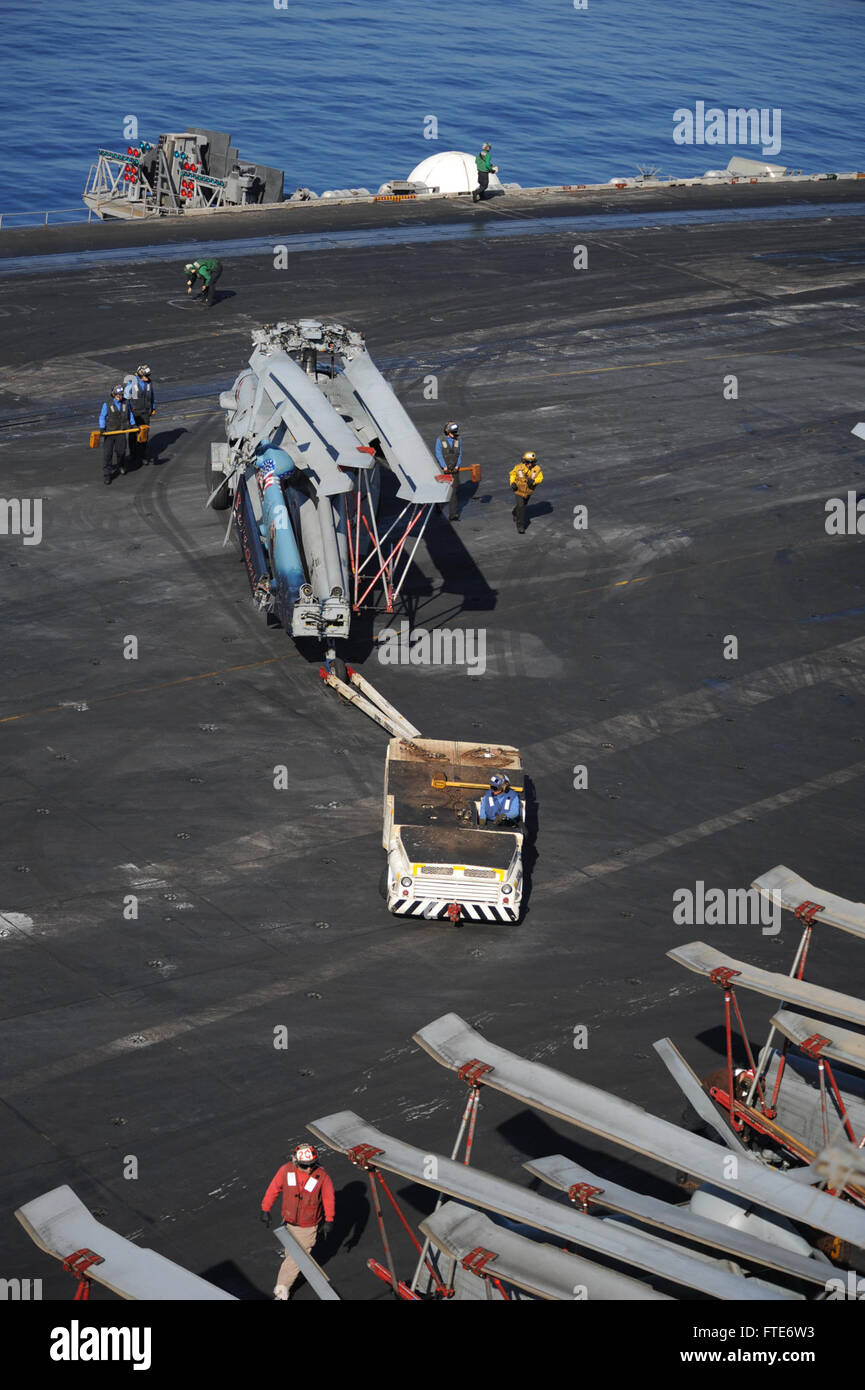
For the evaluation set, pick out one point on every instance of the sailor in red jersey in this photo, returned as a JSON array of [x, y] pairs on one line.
[[307, 1197]]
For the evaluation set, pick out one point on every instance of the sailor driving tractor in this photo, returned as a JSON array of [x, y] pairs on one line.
[[500, 806]]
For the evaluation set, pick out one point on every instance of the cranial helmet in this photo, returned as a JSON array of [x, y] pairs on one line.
[[499, 782], [118, 389], [305, 1155], [143, 370], [530, 457]]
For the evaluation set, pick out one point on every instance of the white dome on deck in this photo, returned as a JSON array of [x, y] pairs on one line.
[[450, 171]]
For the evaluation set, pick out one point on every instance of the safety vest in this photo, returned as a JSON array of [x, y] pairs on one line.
[[450, 452], [527, 477], [301, 1196], [141, 395], [119, 417], [500, 804]]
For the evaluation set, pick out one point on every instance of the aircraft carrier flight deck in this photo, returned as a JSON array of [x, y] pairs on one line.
[[258, 908]]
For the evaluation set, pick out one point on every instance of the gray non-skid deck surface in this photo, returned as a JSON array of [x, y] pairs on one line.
[[844, 1046], [791, 890], [452, 1043], [604, 648], [561, 1173], [538, 1268], [345, 1130], [703, 959], [60, 1224]]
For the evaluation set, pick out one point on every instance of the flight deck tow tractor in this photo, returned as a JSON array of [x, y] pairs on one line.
[[440, 862], [310, 425]]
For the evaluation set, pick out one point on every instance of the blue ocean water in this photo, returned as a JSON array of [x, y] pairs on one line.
[[336, 93]]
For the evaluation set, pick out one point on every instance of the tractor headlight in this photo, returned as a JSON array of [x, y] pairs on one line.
[[507, 889], [406, 882]]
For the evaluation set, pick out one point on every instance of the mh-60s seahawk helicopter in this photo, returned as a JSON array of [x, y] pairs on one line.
[[310, 424]]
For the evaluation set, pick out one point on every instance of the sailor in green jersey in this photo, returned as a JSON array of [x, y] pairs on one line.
[[209, 272], [485, 168]]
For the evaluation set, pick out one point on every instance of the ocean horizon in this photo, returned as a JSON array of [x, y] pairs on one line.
[[342, 96]]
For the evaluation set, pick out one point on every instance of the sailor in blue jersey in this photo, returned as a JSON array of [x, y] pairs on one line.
[[142, 403], [449, 452], [115, 415], [500, 805]]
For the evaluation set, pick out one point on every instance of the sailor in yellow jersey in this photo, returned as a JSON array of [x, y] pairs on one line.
[[524, 479]]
